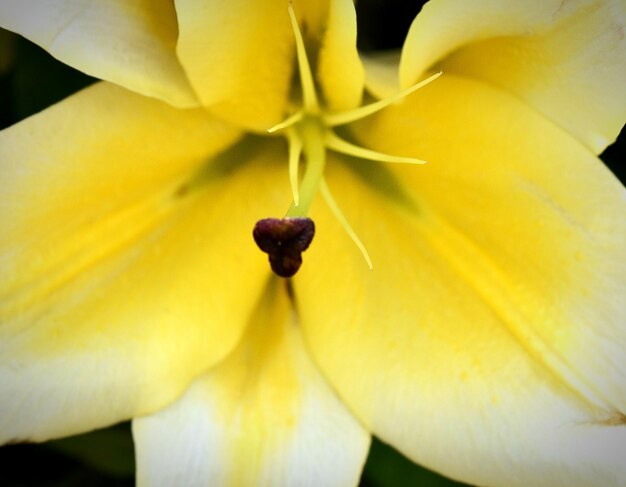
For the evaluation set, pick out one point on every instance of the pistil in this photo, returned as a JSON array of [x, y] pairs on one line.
[[309, 132], [284, 240]]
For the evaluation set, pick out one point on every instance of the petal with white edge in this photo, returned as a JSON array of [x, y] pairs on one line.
[[125, 233], [128, 42], [566, 59], [265, 416], [488, 343]]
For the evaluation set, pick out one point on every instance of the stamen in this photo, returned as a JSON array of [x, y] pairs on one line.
[[295, 150], [339, 145], [334, 207], [306, 77], [312, 137], [364, 111], [288, 122]]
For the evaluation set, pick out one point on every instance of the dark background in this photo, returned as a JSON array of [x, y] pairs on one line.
[[31, 80]]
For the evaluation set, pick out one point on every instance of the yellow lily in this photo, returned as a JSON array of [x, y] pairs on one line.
[[488, 343]]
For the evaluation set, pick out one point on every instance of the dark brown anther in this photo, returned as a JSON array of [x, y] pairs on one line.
[[284, 240]]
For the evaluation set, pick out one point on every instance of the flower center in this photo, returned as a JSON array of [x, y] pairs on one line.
[[309, 132]]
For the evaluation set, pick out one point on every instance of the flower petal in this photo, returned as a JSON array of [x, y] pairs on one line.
[[340, 70], [264, 416], [381, 73], [239, 57], [488, 342], [565, 59], [124, 236], [128, 42]]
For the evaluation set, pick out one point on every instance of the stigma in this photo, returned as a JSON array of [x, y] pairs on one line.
[[284, 240]]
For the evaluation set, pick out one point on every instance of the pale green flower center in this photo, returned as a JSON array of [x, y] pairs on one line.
[[310, 134]]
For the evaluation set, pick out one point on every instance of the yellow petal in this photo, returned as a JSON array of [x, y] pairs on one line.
[[264, 416], [488, 342], [340, 71], [126, 256], [381, 73], [312, 17], [239, 57], [128, 42], [565, 59]]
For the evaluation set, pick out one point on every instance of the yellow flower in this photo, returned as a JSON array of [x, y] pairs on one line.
[[488, 343]]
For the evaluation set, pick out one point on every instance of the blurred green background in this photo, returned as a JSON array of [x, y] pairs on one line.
[[31, 80]]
